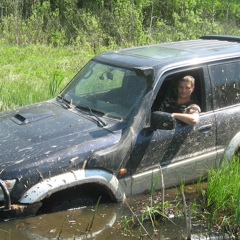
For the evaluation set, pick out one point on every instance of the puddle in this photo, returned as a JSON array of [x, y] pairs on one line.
[[69, 224], [72, 224]]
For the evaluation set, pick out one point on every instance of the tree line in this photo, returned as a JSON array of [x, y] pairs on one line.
[[96, 23]]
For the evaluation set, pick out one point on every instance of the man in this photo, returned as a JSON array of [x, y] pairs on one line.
[[183, 108]]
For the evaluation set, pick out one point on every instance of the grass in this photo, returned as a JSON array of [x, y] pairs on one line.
[[36, 73], [222, 195], [218, 204]]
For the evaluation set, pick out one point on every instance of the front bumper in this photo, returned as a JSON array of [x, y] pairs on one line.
[[7, 199], [12, 211], [19, 211]]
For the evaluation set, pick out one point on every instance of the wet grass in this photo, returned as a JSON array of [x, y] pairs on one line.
[[217, 206]]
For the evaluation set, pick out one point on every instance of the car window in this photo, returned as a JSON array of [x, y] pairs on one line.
[[109, 90], [226, 81], [168, 88], [100, 78]]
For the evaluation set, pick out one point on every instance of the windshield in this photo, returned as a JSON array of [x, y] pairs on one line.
[[109, 90]]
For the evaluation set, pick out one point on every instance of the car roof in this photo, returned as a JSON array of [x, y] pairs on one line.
[[207, 48]]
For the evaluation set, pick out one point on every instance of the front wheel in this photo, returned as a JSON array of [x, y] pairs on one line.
[[73, 198]]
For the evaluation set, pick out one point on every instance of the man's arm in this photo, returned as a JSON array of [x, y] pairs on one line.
[[187, 118], [190, 115]]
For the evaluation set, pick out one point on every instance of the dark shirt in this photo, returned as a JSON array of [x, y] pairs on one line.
[[170, 105]]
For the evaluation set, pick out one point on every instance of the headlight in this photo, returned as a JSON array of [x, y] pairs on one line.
[[9, 184]]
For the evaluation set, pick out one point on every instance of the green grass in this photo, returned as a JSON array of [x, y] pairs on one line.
[[220, 202], [222, 194], [36, 73]]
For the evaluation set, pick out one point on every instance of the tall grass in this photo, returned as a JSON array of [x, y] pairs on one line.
[[221, 202], [238, 209], [222, 194], [36, 73]]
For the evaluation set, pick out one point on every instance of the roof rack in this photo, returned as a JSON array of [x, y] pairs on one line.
[[222, 37]]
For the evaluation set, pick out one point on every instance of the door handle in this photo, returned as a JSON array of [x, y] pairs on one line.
[[205, 128]]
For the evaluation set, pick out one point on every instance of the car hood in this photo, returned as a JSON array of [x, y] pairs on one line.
[[47, 133]]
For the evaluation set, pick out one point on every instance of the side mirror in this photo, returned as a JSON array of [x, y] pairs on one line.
[[162, 120]]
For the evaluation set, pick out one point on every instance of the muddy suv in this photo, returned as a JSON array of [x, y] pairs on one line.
[[105, 136]]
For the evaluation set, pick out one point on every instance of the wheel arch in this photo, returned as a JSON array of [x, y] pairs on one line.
[[233, 147], [47, 187]]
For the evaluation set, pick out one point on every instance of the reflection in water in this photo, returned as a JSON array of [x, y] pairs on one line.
[[66, 225], [72, 224]]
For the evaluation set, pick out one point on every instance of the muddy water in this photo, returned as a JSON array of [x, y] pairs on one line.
[[108, 224]]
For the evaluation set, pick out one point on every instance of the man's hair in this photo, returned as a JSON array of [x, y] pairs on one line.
[[188, 79]]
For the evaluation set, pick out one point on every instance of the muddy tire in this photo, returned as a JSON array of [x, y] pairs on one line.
[[66, 200]]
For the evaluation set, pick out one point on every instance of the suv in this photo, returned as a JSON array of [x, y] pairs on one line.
[[105, 136]]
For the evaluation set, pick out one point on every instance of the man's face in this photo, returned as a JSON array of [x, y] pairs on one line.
[[185, 89]]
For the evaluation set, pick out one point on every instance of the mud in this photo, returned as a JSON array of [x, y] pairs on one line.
[[107, 222]]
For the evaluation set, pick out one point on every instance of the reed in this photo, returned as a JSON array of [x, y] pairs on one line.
[[222, 196], [238, 209]]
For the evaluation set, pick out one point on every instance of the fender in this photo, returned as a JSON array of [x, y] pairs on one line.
[[74, 178], [232, 147]]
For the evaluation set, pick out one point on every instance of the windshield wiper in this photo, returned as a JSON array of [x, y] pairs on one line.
[[70, 105], [66, 103], [100, 121]]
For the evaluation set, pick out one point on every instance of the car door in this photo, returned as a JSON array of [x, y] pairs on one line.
[[225, 77], [183, 154]]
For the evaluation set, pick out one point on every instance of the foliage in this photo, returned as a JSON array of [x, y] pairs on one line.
[[112, 23]]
